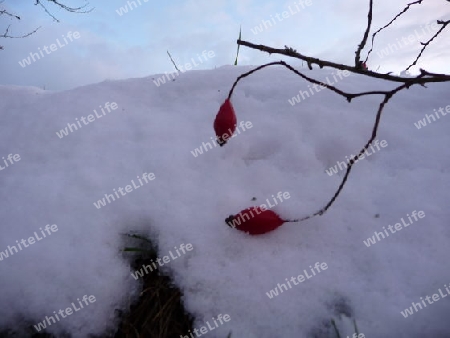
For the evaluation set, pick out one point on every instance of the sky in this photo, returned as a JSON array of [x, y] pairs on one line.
[[114, 44]]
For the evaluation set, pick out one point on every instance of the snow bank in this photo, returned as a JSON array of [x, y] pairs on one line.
[[155, 129]]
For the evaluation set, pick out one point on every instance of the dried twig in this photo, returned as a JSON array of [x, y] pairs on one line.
[[80, 9], [174, 64], [429, 77], [5, 12], [6, 34], [388, 94], [390, 22], [444, 24], [364, 40], [406, 82]]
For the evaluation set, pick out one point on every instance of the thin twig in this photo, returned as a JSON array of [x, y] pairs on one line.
[[387, 97], [364, 40], [423, 78], [349, 96], [170, 56], [79, 10], [444, 24], [4, 11], [282, 63], [6, 34], [390, 22]]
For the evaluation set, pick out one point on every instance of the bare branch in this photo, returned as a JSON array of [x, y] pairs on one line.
[[282, 63], [406, 82], [387, 96], [6, 34], [348, 96], [79, 10], [4, 11], [428, 77], [364, 40], [444, 24], [390, 22], [173, 62]]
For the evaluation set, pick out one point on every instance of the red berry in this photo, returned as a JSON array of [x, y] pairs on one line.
[[225, 122], [255, 221]]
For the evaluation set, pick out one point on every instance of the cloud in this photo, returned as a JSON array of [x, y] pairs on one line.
[[135, 44]]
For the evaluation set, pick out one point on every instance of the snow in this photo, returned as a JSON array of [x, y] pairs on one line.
[[288, 149]]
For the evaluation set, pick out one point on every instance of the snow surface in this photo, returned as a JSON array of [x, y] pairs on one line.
[[288, 149]]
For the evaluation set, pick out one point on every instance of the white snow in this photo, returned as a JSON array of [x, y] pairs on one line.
[[288, 149]]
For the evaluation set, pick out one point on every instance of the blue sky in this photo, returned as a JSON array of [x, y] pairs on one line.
[[134, 44]]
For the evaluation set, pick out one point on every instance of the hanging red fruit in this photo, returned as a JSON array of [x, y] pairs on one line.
[[255, 221], [225, 122]]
